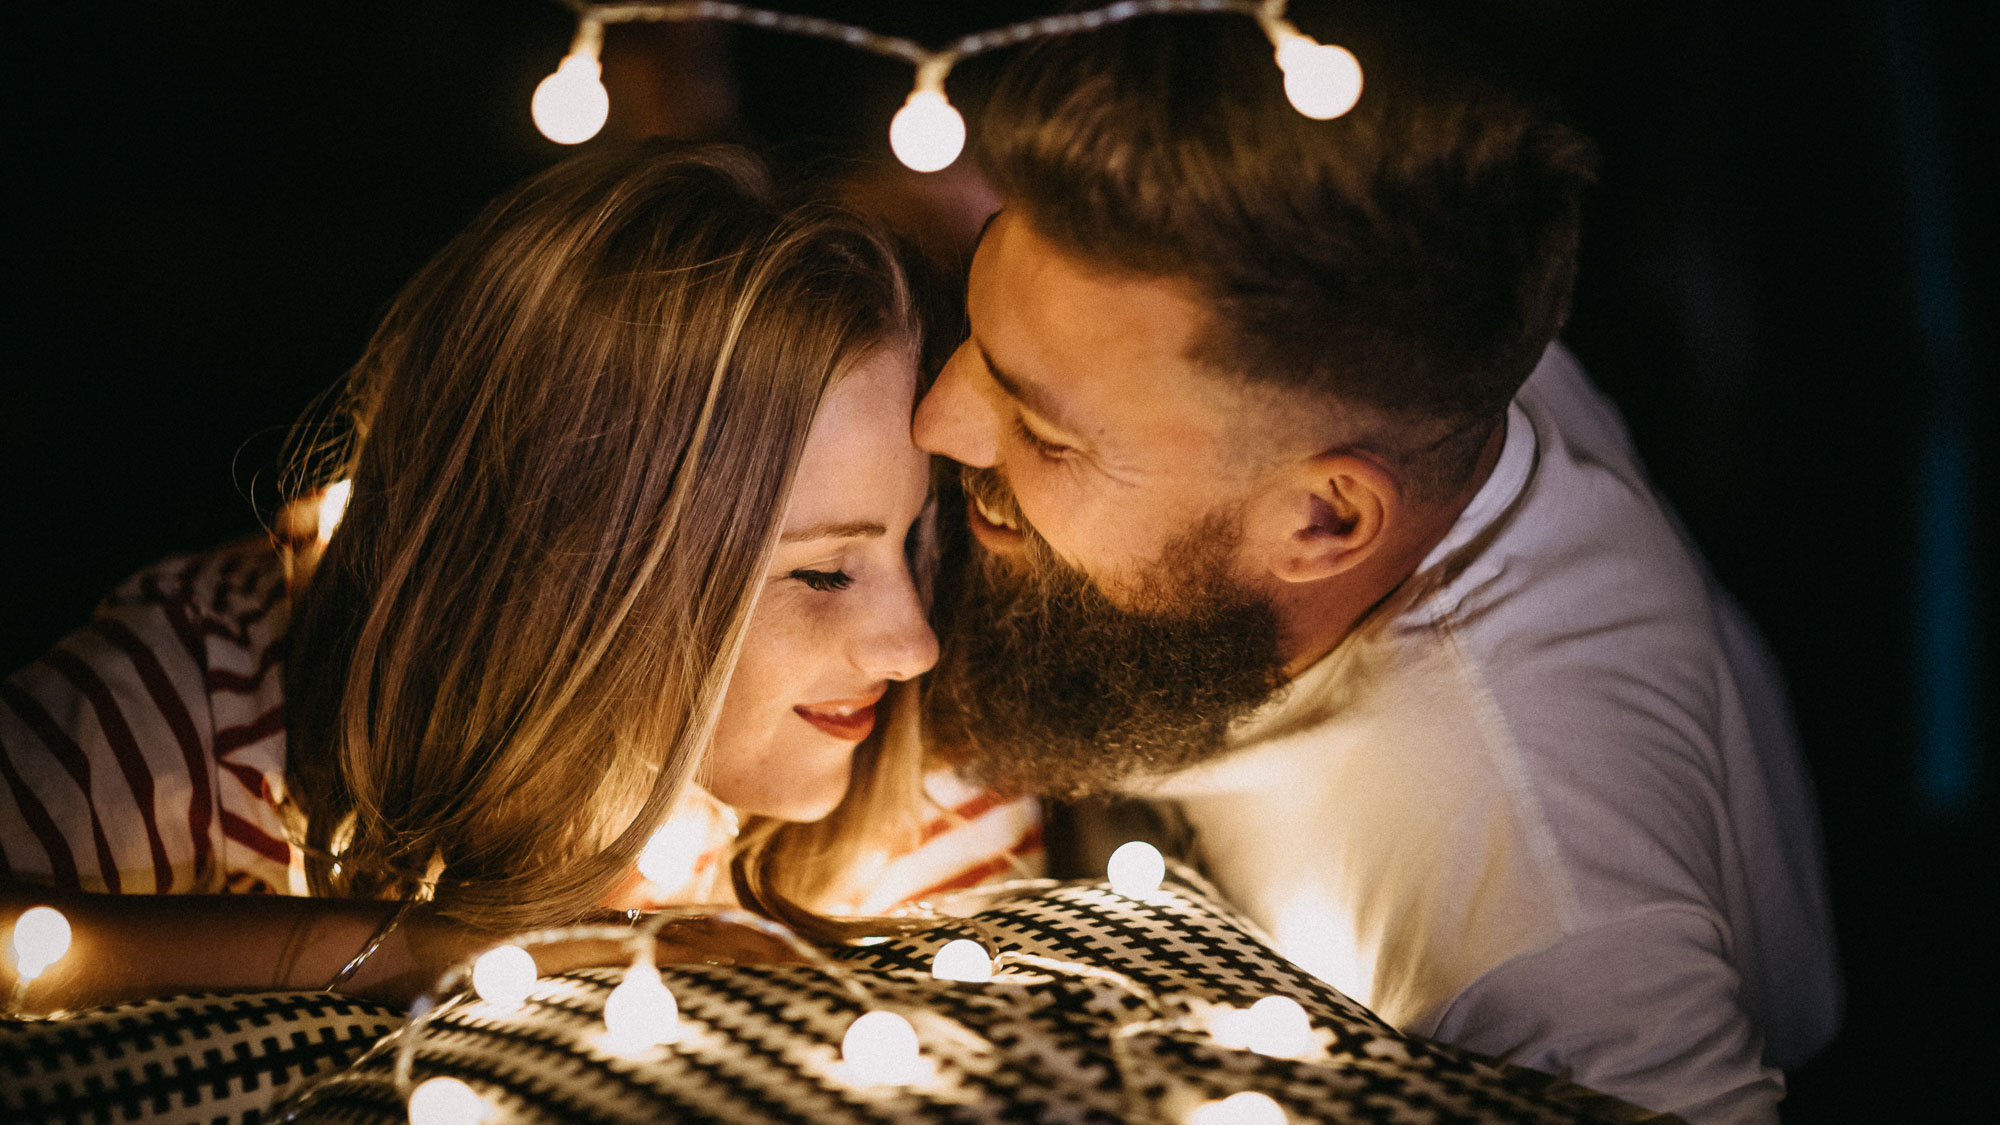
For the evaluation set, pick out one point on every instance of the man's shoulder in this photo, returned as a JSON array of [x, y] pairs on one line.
[[1578, 706], [1586, 589], [1567, 552]]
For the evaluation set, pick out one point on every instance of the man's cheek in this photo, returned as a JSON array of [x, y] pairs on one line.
[[1082, 546]]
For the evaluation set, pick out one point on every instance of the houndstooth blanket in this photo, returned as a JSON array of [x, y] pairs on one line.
[[1051, 1038]]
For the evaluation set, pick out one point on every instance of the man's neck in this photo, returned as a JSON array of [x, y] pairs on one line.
[[1322, 615]]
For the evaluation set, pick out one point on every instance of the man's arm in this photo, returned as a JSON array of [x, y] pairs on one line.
[[1646, 1007]]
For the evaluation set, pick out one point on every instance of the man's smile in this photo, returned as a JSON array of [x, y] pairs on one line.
[[992, 513], [994, 516]]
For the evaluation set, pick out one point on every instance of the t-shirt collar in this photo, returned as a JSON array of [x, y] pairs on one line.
[[1503, 486]]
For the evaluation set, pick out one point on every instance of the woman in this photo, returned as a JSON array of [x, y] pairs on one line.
[[626, 546]]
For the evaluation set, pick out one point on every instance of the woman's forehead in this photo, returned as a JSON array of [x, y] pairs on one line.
[[860, 467]]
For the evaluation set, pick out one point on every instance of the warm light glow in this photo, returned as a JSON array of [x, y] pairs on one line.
[[1136, 868], [1246, 1108], [332, 506], [570, 105], [504, 976], [962, 960], [1230, 1027], [927, 134], [447, 1101], [1319, 937], [669, 857], [641, 1012], [880, 1047], [41, 937], [1322, 81]]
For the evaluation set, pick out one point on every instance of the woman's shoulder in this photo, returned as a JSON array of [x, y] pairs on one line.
[[145, 750], [221, 611], [973, 836], [237, 584]]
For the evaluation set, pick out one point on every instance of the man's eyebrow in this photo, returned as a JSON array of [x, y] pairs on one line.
[[1026, 394], [850, 529]]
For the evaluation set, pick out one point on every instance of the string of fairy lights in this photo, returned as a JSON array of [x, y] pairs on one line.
[[881, 1046], [570, 106]]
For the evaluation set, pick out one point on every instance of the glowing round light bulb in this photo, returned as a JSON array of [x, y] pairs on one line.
[[447, 1101], [570, 105], [962, 960], [1279, 1027], [927, 133], [41, 937], [504, 976], [1136, 868], [1321, 80], [1246, 1108], [641, 1012], [880, 1047]]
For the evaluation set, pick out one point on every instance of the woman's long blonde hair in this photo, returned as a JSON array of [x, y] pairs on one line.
[[571, 443]]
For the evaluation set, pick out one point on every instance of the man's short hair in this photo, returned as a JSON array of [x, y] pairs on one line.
[[1413, 257]]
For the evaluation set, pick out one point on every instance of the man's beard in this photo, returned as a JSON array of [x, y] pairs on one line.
[[1045, 685]]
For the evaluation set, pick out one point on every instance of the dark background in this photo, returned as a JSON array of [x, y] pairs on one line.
[[1787, 282]]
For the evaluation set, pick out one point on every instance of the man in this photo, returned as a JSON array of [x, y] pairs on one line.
[[1292, 517]]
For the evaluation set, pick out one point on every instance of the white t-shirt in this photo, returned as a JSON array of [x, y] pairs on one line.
[[1546, 803]]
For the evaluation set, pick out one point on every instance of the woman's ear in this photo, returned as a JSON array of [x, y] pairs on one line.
[[1327, 514]]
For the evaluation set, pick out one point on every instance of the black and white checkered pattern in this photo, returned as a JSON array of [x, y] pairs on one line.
[[762, 1043], [211, 1059]]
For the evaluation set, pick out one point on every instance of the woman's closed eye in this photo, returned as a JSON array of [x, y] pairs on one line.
[[825, 581]]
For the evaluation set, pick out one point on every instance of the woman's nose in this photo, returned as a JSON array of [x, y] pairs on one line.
[[900, 645]]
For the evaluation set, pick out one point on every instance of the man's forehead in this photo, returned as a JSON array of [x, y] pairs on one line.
[[1011, 239], [1105, 355], [1049, 321]]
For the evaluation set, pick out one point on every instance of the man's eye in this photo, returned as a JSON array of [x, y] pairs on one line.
[[824, 581], [1054, 451]]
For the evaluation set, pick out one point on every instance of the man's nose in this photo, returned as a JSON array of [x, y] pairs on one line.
[[954, 419]]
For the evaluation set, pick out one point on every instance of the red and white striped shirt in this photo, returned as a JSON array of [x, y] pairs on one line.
[[145, 754]]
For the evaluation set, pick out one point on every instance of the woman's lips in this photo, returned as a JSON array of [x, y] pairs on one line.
[[849, 720]]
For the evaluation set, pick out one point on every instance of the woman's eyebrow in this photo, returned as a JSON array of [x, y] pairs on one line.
[[848, 529]]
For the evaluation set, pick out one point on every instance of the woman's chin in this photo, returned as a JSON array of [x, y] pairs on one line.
[[801, 810], [801, 804]]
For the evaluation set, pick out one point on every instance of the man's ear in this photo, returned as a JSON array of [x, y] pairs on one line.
[[1328, 514]]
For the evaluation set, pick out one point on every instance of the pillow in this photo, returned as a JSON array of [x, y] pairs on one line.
[[1051, 1037], [203, 1058]]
